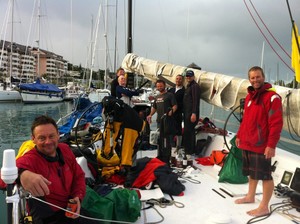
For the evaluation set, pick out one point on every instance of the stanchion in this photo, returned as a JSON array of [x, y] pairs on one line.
[[9, 174]]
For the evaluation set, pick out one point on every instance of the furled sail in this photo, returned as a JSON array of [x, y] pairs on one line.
[[217, 89]]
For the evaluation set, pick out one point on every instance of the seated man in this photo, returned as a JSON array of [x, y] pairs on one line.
[[50, 172]]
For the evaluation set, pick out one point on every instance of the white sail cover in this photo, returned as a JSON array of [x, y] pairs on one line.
[[221, 90]]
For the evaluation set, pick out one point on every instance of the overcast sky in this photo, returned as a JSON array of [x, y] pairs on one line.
[[218, 35]]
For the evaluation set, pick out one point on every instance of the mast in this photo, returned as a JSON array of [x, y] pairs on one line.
[[11, 43], [129, 40], [106, 48], [262, 55], [116, 31], [38, 40], [130, 75], [94, 46]]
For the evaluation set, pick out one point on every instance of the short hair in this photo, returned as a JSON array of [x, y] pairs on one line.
[[160, 81], [119, 69], [41, 120], [256, 68]]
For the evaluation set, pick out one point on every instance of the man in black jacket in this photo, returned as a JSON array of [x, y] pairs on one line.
[[178, 90], [191, 105], [115, 83]]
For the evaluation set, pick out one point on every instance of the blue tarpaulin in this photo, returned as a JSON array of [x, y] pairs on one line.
[[38, 86]]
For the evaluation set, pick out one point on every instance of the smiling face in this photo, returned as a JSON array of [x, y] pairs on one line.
[[122, 80], [46, 138], [256, 78], [179, 80], [160, 87]]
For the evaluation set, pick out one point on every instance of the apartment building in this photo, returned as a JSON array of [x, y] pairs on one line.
[[24, 64]]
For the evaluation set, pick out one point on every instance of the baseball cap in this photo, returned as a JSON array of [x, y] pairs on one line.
[[189, 73]]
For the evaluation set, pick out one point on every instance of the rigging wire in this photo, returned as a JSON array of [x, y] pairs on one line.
[[30, 196], [268, 29], [4, 29], [266, 37]]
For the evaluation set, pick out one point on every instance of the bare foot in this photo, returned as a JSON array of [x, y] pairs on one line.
[[258, 212], [244, 200]]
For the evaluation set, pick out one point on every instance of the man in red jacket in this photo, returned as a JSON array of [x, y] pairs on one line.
[[50, 171], [258, 136]]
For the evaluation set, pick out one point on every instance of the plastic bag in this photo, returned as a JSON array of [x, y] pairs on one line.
[[231, 171]]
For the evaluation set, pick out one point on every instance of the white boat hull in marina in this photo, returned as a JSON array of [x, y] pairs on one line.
[[10, 96], [39, 97], [98, 94]]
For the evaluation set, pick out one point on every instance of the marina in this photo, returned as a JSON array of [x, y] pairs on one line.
[[101, 148]]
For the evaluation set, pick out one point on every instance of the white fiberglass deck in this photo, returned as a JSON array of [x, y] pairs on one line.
[[203, 205]]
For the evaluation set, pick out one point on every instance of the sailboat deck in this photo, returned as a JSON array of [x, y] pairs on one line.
[[205, 203]]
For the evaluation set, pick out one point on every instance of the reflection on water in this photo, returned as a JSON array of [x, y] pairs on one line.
[[16, 119]]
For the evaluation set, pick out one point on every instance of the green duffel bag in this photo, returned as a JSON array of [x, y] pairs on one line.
[[127, 205], [120, 204], [231, 171]]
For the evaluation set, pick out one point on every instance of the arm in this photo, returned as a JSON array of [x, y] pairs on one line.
[[174, 108], [153, 110], [275, 125], [125, 91], [36, 184], [78, 187], [195, 100], [173, 103]]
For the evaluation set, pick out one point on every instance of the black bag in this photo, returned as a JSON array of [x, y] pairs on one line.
[[169, 125], [202, 145]]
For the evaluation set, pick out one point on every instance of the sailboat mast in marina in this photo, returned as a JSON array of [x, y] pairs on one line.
[[7, 93], [39, 92]]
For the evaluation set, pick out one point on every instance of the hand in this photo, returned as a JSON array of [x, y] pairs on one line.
[[170, 113], [269, 152], [193, 118], [36, 184], [76, 199], [149, 119]]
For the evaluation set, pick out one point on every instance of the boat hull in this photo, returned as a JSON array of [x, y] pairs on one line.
[[10, 96], [98, 94], [39, 97]]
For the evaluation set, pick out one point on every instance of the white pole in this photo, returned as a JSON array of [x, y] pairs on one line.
[[9, 173], [262, 55]]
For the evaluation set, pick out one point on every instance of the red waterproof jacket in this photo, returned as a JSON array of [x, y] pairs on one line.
[[262, 121], [66, 176]]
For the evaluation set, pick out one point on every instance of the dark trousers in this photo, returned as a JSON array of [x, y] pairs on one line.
[[189, 136], [164, 146]]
